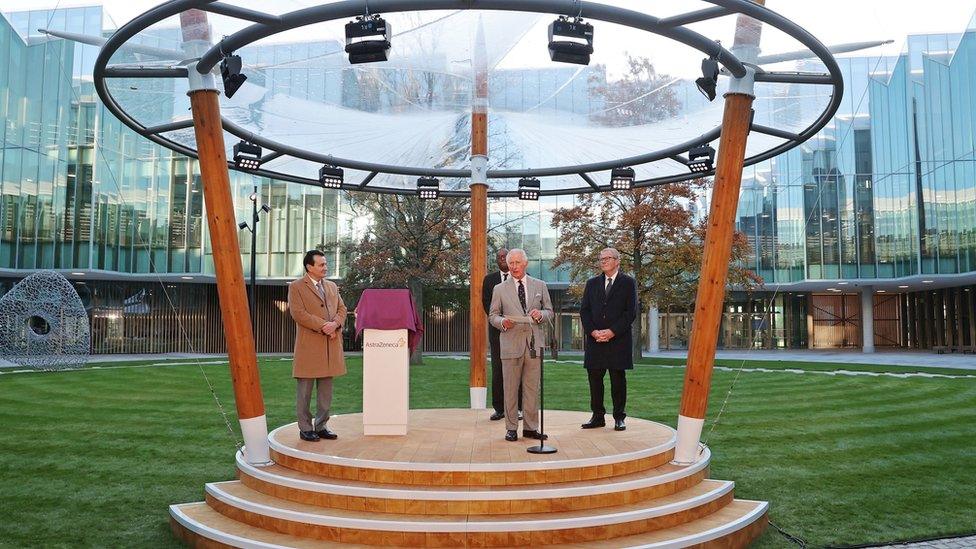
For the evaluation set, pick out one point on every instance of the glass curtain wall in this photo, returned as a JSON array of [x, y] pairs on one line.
[[888, 189], [78, 190]]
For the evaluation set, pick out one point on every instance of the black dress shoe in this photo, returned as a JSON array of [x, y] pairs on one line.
[[310, 436], [326, 434], [594, 423], [497, 415], [527, 433], [511, 436], [618, 425]]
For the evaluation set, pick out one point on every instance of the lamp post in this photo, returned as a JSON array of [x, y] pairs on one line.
[[253, 227]]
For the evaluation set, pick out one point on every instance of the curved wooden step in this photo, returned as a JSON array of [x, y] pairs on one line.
[[735, 525], [454, 482], [292, 485], [243, 504], [461, 447]]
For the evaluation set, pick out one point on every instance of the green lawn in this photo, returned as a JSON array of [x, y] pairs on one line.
[[94, 457]]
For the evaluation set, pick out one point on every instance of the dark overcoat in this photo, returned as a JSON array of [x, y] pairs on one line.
[[616, 311], [487, 288]]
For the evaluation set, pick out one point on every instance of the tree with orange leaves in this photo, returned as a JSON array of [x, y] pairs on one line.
[[410, 243], [658, 238]]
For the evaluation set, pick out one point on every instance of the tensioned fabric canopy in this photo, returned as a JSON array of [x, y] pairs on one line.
[[635, 104]]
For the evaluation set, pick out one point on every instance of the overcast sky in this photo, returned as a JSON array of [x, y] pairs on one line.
[[832, 21]]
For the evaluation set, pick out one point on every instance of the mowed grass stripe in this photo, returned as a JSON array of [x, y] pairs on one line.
[[831, 390], [833, 459]]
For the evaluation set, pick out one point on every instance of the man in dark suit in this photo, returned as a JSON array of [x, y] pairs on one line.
[[497, 384], [607, 312]]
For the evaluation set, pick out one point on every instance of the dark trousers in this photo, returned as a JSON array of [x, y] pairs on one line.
[[323, 401], [618, 392], [497, 380]]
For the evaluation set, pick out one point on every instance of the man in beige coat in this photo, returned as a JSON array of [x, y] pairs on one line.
[[317, 308], [518, 308]]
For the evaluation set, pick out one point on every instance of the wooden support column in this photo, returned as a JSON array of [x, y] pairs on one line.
[[715, 268], [479, 322], [222, 222], [479, 222], [710, 298], [234, 309]]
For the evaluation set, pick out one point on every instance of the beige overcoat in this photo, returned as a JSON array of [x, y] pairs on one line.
[[316, 355]]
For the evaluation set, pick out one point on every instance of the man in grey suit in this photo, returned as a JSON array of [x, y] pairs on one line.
[[519, 306]]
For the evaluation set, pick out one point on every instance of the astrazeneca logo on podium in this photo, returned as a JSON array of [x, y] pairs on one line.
[[399, 343]]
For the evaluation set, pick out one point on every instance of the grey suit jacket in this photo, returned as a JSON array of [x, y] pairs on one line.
[[505, 302]]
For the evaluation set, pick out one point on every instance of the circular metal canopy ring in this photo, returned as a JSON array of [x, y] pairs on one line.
[[673, 27]]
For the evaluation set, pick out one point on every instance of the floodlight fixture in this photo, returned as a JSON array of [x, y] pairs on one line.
[[230, 72], [243, 225], [368, 39], [330, 177], [622, 179], [701, 159], [528, 188], [709, 79], [247, 155], [265, 208], [570, 40], [428, 188]]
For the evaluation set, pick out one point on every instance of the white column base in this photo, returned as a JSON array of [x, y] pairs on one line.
[[653, 330], [867, 319], [255, 432], [479, 398], [689, 434]]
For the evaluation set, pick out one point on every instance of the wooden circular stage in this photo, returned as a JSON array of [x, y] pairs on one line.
[[453, 481]]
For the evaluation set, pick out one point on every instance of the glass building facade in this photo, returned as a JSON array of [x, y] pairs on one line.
[[883, 197]]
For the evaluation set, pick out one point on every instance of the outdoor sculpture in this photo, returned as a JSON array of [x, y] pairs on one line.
[[43, 324]]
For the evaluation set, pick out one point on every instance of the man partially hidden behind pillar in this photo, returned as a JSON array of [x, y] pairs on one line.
[[607, 312], [317, 308], [519, 306]]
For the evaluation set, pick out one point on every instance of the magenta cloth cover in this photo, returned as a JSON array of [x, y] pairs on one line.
[[381, 309]]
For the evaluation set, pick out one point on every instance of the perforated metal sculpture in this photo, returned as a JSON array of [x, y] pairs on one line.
[[43, 324]]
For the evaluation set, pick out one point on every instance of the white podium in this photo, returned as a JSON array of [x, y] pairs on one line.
[[386, 382]]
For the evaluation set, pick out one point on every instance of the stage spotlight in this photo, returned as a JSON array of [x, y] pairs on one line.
[[622, 179], [428, 188], [330, 177], [709, 80], [230, 72], [528, 188], [570, 41], [247, 155], [701, 159], [368, 39]]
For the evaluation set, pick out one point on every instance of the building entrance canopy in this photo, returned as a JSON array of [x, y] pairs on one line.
[[390, 122]]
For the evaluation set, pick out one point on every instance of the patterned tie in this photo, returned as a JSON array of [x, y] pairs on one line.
[[320, 290], [521, 290], [609, 285]]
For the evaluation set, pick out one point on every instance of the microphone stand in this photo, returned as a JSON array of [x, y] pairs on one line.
[[542, 448]]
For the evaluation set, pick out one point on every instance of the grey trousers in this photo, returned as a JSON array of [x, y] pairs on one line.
[[522, 371], [323, 401]]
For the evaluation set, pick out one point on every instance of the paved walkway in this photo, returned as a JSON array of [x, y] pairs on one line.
[[947, 543], [899, 357]]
